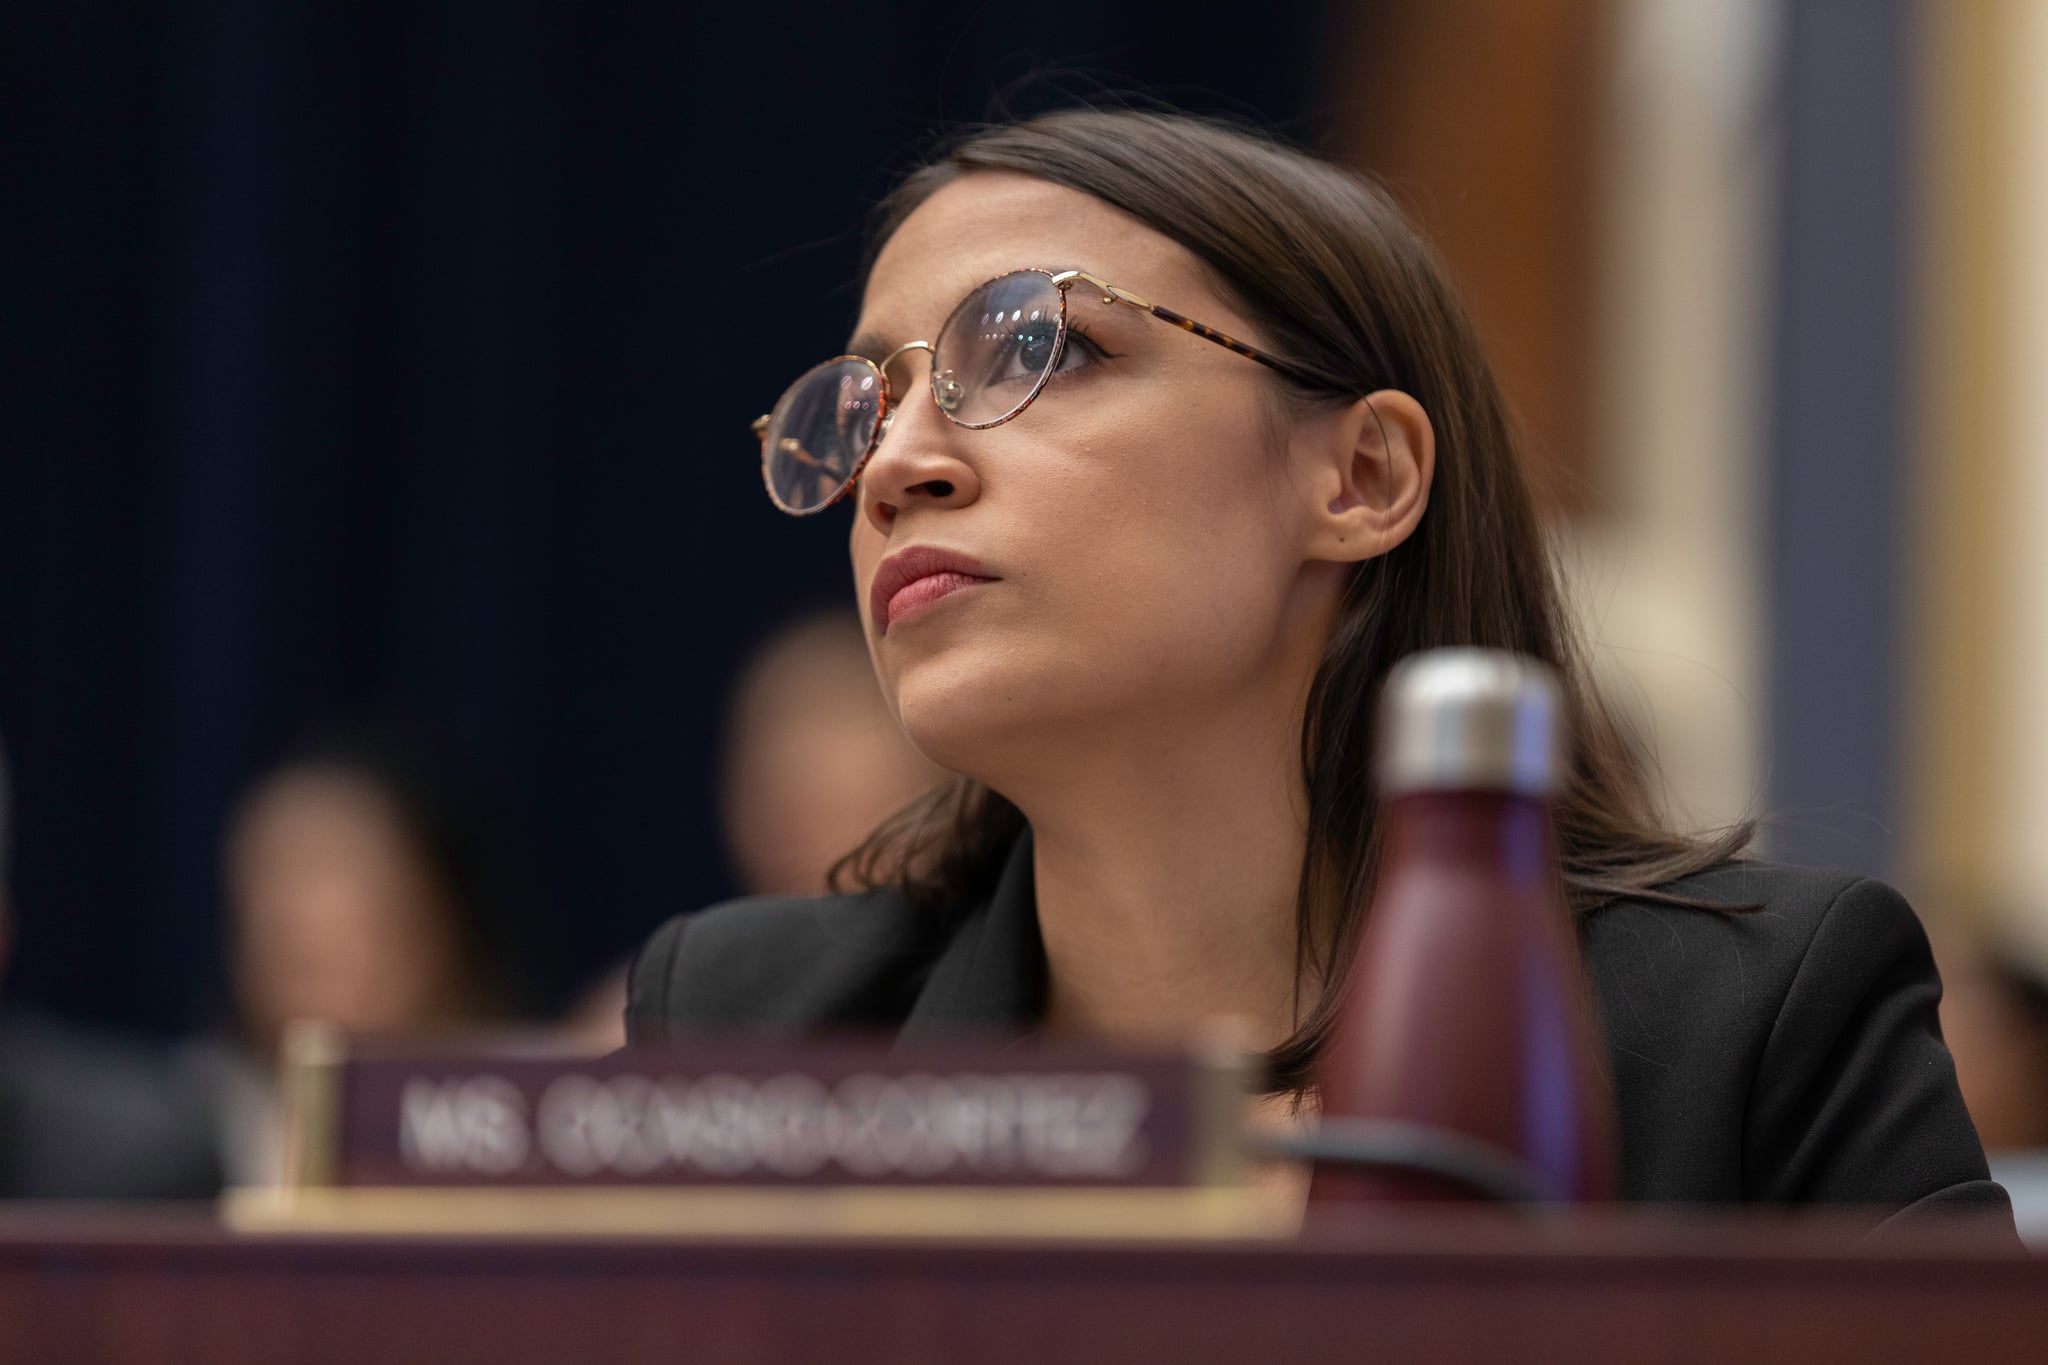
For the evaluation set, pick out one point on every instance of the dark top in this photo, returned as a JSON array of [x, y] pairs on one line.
[[1787, 1054], [84, 1115]]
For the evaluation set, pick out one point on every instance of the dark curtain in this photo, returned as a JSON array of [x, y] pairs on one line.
[[399, 357]]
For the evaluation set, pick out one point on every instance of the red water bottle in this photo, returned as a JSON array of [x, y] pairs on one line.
[[1467, 1062]]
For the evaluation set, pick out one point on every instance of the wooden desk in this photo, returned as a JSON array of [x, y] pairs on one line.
[[175, 1286]]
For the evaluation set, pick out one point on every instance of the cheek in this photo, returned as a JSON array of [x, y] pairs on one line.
[[1172, 532], [1149, 562], [865, 548], [866, 551]]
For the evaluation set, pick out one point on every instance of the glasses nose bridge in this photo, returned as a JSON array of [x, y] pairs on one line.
[[905, 349], [895, 403]]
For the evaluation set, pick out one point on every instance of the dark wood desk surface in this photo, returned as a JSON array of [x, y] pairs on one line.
[[176, 1286]]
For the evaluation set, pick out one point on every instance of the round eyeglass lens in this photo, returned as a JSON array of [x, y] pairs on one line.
[[995, 352], [819, 432]]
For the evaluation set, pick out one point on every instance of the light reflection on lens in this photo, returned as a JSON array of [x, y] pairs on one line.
[[819, 432], [999, 345], [992, 356]]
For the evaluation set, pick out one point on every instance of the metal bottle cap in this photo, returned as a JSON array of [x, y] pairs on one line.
[[1471, 719]]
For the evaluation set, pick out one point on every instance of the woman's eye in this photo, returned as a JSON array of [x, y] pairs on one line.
[[1022, 355], [1029, 353]]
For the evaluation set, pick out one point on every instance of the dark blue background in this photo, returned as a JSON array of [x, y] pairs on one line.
[[400, 357]]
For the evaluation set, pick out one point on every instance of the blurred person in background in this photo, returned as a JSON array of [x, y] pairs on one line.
[[369, 888], [87, 1115], [814, 759], [813, 762], [1994, 1014]]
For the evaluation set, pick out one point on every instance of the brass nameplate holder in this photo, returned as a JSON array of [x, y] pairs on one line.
[[753, 1140]]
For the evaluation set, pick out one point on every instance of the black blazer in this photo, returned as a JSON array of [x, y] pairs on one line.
[[84, 1115], [1785, 1055]]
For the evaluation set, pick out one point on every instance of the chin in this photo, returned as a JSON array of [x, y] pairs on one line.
[[973, 715], [961, 729]]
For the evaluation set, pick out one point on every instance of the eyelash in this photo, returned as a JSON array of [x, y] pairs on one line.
[[1089, 345]]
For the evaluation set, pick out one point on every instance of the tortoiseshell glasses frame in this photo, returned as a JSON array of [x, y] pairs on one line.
[[844, 405]]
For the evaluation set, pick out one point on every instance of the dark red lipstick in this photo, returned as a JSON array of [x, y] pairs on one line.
[[917, 576]]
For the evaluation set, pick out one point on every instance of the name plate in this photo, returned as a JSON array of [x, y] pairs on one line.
[[383, 1114]]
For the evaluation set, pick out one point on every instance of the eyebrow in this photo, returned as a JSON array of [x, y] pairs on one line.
[[874, 346]]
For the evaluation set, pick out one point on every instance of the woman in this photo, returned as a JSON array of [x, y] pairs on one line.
[[369, 887], [1139, 592], [812, 757]]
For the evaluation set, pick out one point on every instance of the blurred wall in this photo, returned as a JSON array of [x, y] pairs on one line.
[[1980, 772], [1487, 120], [1666, 557], [1837, 504]]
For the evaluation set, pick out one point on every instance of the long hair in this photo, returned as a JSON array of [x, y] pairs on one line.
[[1340, 284], [465, 839]]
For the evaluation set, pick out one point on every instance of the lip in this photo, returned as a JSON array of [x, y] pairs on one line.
[[916, 564]]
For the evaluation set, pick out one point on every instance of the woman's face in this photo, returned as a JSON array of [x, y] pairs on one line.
[[1142, 532], [816, 762], [335, 916]]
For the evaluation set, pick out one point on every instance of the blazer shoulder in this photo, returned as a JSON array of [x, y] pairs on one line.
[[1718, 980], [1754, 925], [779, 964], [1778, 891], [1782, 1044]]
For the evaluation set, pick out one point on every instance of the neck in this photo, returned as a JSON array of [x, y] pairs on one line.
[[1167, 868]]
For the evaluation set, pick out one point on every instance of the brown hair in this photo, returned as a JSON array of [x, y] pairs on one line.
[[1340, 284]]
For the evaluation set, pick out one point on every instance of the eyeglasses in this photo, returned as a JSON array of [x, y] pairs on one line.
[[994, 355]]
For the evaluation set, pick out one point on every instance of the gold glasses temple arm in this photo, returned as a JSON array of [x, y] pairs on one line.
[[1116, 294]]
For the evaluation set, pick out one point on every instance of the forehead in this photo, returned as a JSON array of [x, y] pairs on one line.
[[987, 223]]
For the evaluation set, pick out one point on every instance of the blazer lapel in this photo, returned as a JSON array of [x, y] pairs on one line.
[[989, 983]]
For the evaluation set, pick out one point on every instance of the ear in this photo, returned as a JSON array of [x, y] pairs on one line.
[[1369, 473]]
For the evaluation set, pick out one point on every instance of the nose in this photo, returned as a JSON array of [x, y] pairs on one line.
[[920, 460]]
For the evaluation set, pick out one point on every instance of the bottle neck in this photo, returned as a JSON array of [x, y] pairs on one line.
[[1489, 833]]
